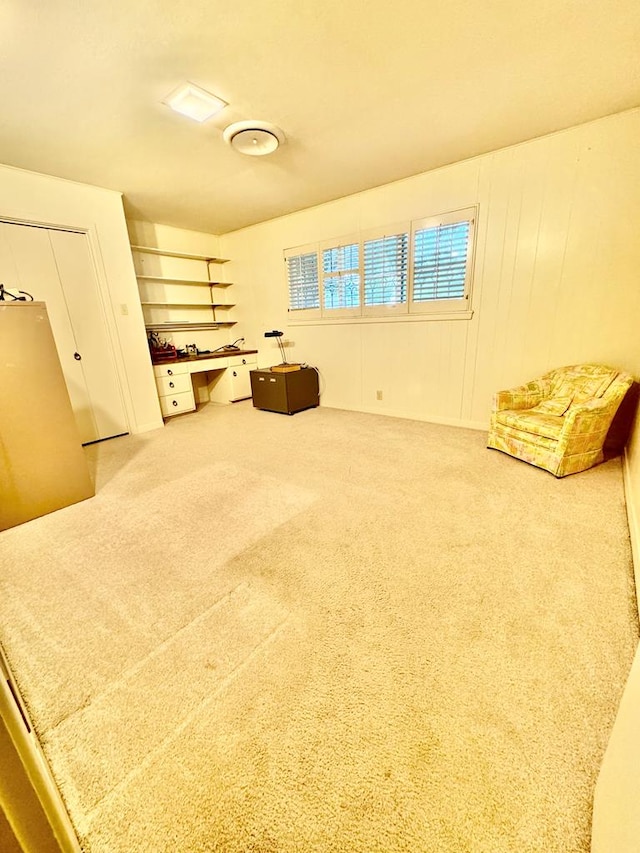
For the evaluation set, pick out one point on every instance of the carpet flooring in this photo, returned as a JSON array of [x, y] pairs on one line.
[[328, 632]]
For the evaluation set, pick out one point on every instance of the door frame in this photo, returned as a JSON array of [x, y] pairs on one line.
[[13, 217], [37, 773]]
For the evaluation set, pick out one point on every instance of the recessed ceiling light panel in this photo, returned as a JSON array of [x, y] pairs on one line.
[[254, 138], [196, 103]]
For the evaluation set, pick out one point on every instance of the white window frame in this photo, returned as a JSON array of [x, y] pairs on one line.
[[440, 309], [303, 314], [396, 309], [444, 306], [351, 311]]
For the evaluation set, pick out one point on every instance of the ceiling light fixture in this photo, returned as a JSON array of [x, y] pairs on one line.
[[196, 103], [255, 138]]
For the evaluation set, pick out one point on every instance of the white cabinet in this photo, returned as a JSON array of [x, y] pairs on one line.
[[222, 379], [175, 390], [240, 381]]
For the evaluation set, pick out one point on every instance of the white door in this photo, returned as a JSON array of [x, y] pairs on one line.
[[55, 267]]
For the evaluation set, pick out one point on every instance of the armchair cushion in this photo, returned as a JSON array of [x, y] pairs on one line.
[[581, 383], [548, 426], [553, 406]]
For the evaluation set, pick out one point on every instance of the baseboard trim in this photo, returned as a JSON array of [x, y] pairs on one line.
[[411, 416], [632, 520], [140, 428], [36, 768]]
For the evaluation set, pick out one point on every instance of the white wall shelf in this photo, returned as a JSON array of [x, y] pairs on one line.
[[190, 304], [149, 250], [156, 279], [170, 326], [160, 313]]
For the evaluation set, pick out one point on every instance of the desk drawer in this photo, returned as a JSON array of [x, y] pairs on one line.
[[170, 369], [173, 384], [237, 360], [177, 403]]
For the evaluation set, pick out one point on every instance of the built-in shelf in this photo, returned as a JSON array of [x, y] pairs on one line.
[[149, 250], [189, 304], [157, 279], [186, 327], [162, 306]]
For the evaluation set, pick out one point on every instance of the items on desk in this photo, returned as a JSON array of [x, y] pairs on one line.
[[231, 347], [161, 350], [284, 367]]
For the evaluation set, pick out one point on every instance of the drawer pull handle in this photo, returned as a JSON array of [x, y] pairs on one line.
[[172, 385], [170, 372], [175, 402], [234, 373], [272, 380], [244, 360]]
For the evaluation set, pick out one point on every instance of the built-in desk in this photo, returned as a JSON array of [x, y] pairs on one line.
[[217, 377]]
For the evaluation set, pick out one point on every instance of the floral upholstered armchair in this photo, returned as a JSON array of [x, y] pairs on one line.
[[560, 421]]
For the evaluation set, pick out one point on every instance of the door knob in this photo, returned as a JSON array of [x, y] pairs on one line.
[[77, 356]]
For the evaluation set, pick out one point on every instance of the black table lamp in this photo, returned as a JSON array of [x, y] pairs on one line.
[[276, 334]]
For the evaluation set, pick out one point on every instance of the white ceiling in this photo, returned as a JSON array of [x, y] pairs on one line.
[[366, 91]]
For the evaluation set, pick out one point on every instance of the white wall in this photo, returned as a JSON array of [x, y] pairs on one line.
[[34, 198], [555, 281]]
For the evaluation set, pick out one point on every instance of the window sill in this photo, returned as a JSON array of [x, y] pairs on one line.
[[405, 318]]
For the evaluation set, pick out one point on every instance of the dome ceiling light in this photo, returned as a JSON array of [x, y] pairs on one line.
[[255, 138]]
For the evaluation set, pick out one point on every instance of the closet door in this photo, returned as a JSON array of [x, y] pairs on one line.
[[55, 267]]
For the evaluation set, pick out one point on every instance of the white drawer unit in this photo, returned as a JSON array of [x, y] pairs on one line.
[[240, 381], [220, 379], [174, 404], [172, 369], [173, 384], [242, 359], [175, 391]]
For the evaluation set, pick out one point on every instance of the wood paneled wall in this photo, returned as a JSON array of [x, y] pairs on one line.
[[556, 276]]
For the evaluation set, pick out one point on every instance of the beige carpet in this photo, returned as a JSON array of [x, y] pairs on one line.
[[327, 632]]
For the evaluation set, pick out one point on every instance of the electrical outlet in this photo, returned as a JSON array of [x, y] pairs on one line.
[[378, 395]]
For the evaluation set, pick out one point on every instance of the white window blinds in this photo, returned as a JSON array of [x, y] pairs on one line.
[[406, 268], [341, 279], [302, 271], [385, 270], [440, 262]]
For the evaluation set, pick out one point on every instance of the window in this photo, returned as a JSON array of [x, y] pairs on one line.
[[385, 270], [341, 276], [302, 271], [442, 256], [423, 267]]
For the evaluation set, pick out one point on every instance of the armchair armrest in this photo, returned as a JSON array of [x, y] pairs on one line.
[[596, 407], [523, 397], [586, 425]]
